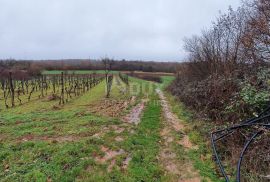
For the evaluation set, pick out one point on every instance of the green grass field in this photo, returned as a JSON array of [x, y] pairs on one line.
[[83, 140], [55, 72]]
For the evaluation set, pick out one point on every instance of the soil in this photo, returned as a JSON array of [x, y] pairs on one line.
[[110, 155], [2, 137], [117, 129], [182, 169], [54, 139], [108, 107], [126, 162], [119, 139], [186, 143], [134, 117]]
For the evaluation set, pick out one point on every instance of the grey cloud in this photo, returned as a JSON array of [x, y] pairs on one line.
[[131, 29]]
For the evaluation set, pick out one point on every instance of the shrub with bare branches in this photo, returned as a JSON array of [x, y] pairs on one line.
[[227, 77]]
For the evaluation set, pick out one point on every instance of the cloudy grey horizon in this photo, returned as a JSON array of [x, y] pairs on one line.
[[119, 29]]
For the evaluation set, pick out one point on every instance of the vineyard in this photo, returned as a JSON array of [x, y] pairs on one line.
[[100, 91], [105, 126], [17, 91], [66, 126]]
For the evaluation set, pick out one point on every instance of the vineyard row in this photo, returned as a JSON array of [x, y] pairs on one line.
[[62, 87]]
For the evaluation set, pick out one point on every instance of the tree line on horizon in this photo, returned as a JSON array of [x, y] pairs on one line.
[[35, 67]]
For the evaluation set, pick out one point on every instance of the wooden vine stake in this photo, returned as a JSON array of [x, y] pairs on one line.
[[12, 91], [62, 97]]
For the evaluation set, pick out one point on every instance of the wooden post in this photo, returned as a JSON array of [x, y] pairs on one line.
[[11, 89], [42, 86], [53, 80], [62, 101]]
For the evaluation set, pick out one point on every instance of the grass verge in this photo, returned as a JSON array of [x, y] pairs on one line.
[[144, 145], [198, 133]]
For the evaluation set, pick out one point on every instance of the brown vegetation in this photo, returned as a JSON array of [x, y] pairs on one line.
[[155, 77], [226, 78]]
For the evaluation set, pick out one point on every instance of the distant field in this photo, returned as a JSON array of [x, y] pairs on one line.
[[149, 73], [102, 72], [54, 72]]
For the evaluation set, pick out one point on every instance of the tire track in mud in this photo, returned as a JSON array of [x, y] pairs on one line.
[[130, 122], [177, 170], [134, 117]]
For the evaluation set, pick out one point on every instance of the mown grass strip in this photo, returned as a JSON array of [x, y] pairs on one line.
[[144, 145], [197, 132]]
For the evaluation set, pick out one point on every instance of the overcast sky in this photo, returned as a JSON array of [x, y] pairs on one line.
[[130, 29]]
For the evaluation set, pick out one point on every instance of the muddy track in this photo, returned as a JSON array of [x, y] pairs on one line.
[[130, 121], [134, 117], [176, 170]]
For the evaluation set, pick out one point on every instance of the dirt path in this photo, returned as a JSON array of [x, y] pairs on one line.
[[174, 145], [130, 122], [134, 116]]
